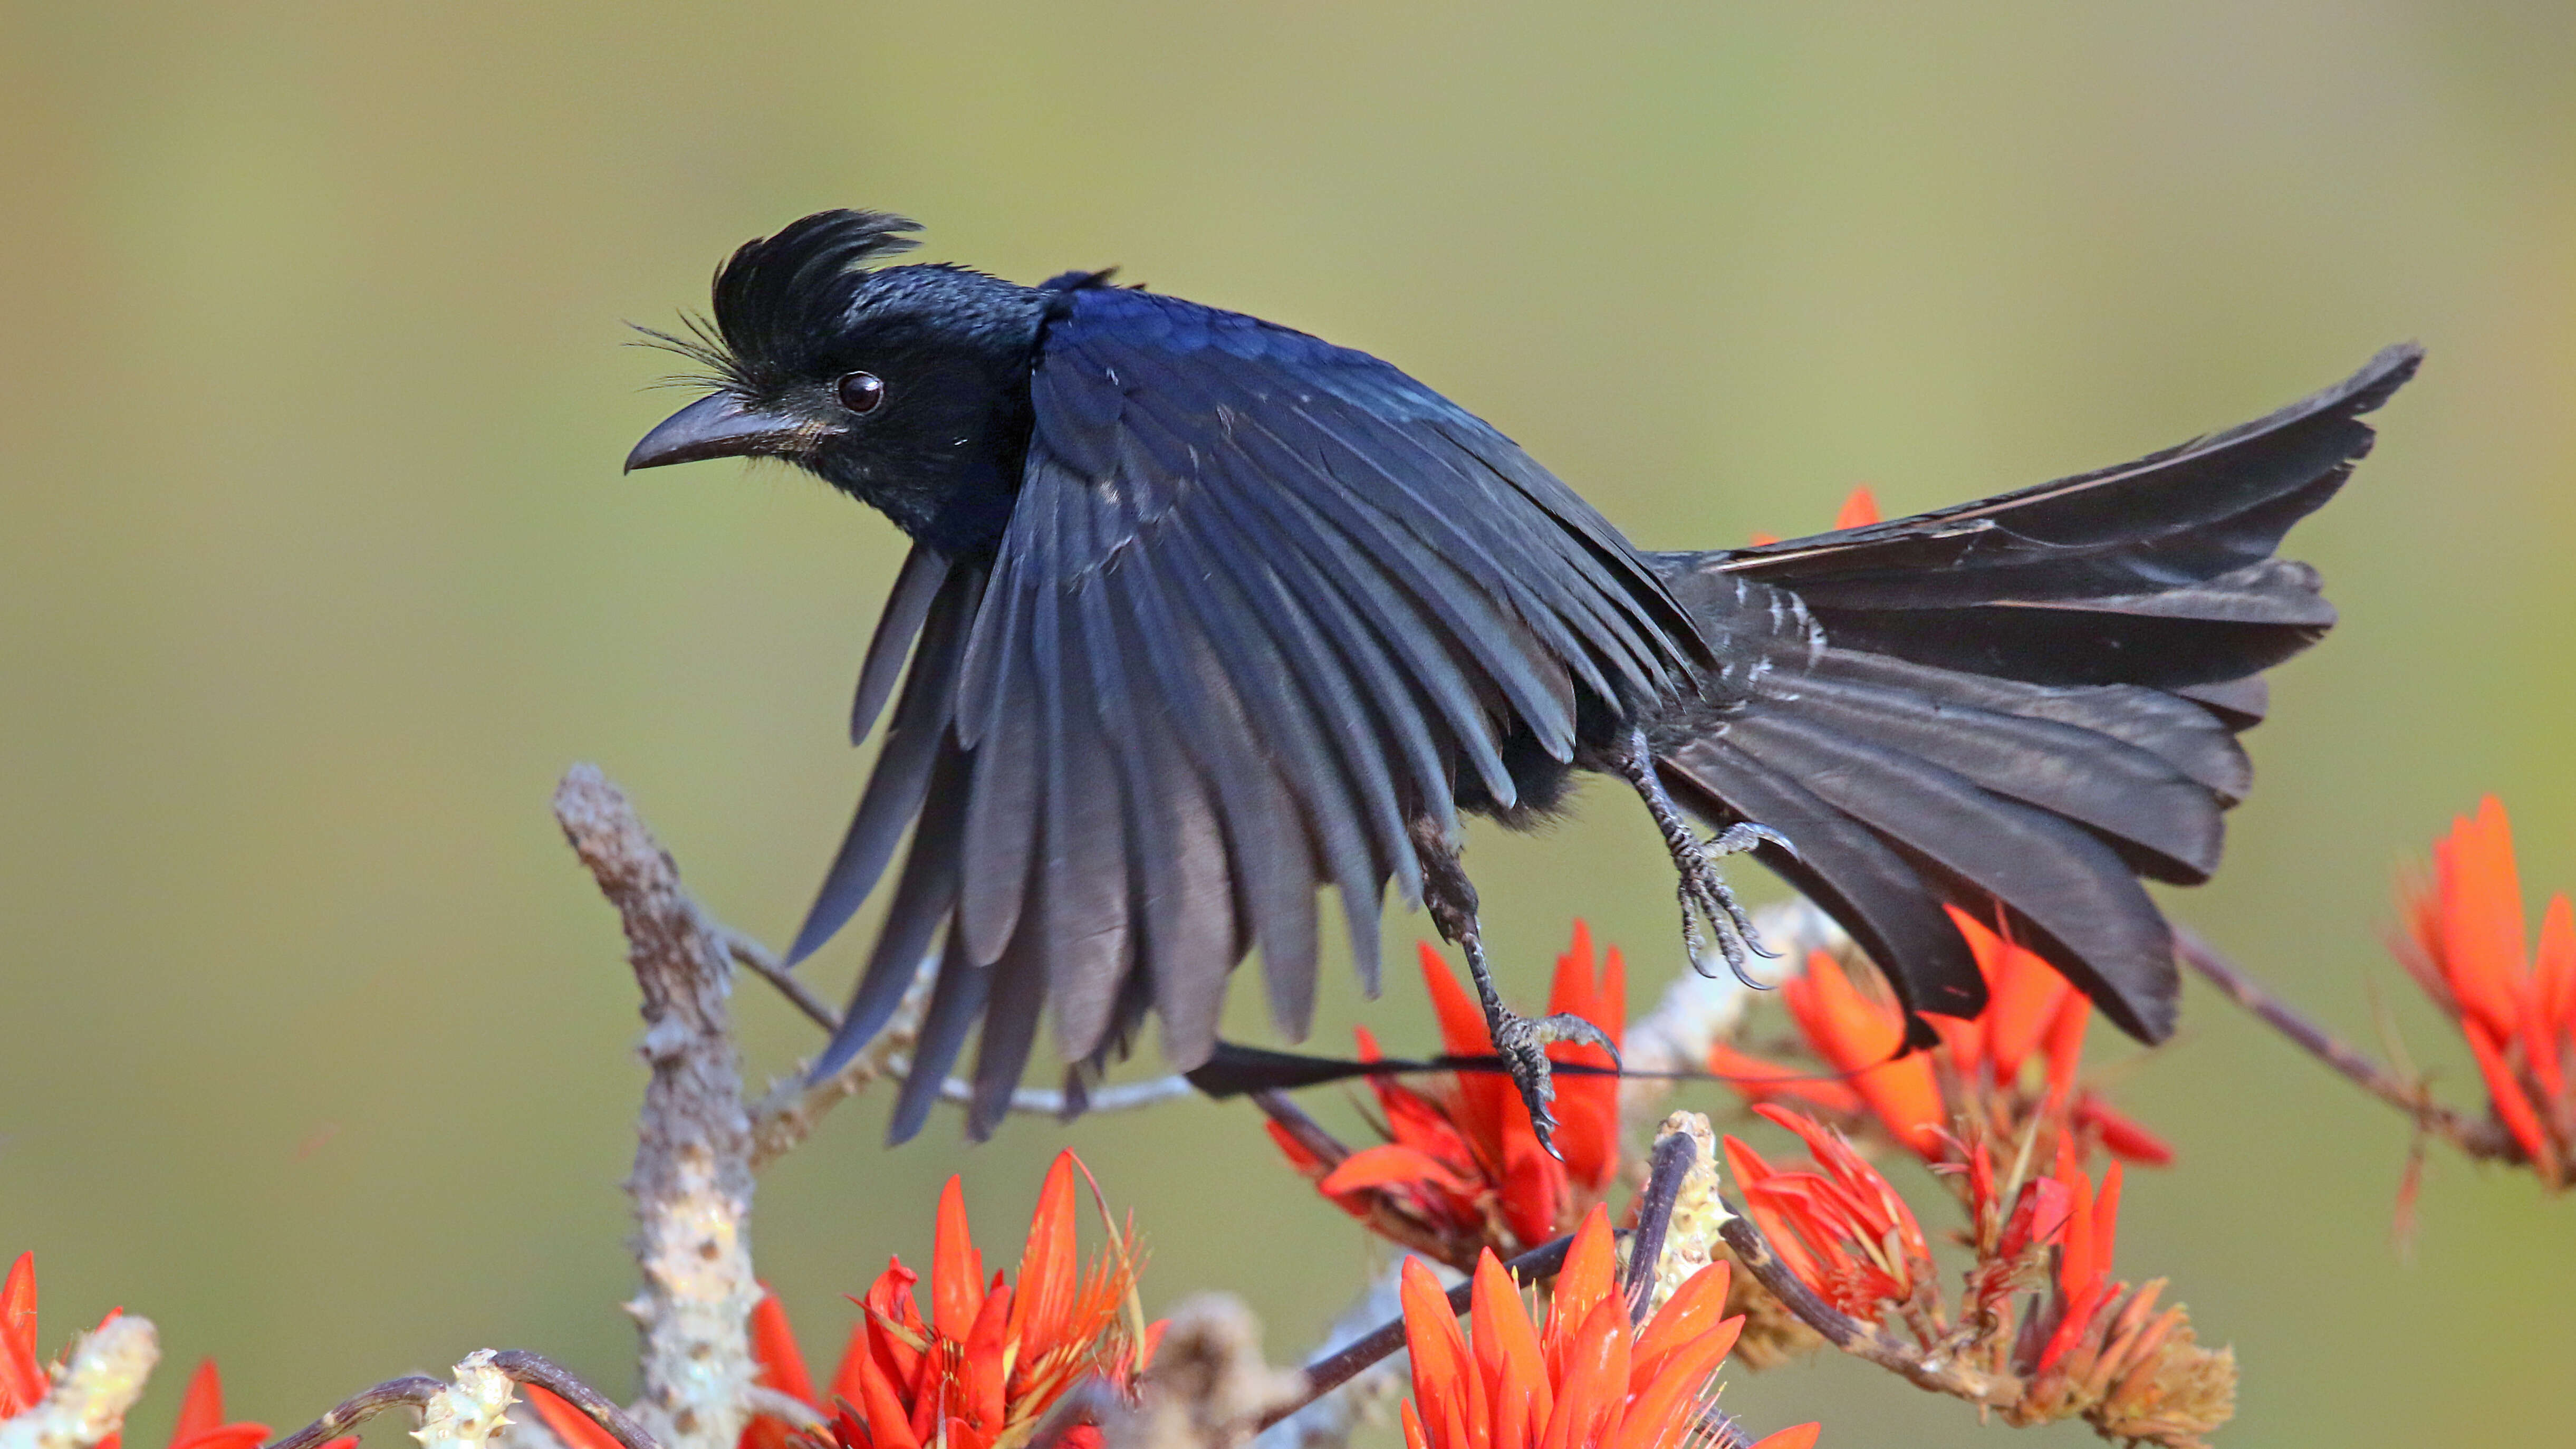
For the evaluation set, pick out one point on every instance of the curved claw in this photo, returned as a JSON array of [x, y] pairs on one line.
[[1743, 835], [1567, 1027]]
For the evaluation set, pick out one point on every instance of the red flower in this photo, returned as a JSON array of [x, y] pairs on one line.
[[1841, 1228], [24, 1380], [1462, 1169], [1977, 1077], [2083, 1345], [1588, 1380], [985, 1365], [2464, 946]]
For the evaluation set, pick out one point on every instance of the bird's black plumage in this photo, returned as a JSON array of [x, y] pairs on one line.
[[1204, 614]]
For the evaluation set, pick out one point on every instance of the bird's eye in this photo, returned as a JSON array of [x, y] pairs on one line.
[[862, 392]]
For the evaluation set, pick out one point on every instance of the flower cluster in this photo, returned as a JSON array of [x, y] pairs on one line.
[[1589, 1378], [982, 1368], [1461, 1169], [2014, 1068], [24, 1378], [2464, 944], [2038, 1306]]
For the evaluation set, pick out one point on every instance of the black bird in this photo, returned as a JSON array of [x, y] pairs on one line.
[[1203, 614]]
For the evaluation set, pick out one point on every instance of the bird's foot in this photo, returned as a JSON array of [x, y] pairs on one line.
[[1704, 891], [1522, 1043], [1705, 895]]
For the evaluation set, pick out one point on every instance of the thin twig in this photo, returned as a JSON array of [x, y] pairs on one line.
[[529, 1368], [1330, 1373], [412, 1389], [692, 1183], [765, 964], [2474, 1136], [789, 1113]]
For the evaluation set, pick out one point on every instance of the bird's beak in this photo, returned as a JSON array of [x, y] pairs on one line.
[[716, 426]]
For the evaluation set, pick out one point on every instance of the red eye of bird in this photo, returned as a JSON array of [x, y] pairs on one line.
[[861, 392]]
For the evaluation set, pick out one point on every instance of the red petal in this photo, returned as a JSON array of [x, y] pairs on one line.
[[1439, 1353], [1462, 1022], [1390, 1165], [1761, 1081], [1414, 1438], [773, 1343], [202, 1407], [2025, 999], [2106, 1220], [1507, 1351], [2064, 1047], [1661, 1394], [980, 1370], [1588, 1278], [223, 1436], [1592, 1384], [1486, 1100], [2553, 997], [2124, 1138], [1862, 1036], [889, 1303], [1696, 1310], [22, 1374], [2511, 1103], [956, 1269], [2039, 1217], [1587, 1106], [1298, 1157], [2078, 1271], [2554, 969], [1535, 1194], [569, 1424], [1859, 510], [883, 1411], [1049, 1275], [2481, 921]]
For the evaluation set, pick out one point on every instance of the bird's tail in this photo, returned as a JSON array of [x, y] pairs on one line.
[[2021, 705]]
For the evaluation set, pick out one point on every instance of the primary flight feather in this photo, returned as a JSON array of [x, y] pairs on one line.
[[1204, 614]]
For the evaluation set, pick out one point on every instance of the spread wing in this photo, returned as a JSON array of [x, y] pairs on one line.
[[1262, 604]]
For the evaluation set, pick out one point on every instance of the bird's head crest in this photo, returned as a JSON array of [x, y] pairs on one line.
[[777, 296]]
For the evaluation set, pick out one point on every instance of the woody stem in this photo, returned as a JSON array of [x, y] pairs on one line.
[[516, 1364], [2476, 1138], [1330, 1373]]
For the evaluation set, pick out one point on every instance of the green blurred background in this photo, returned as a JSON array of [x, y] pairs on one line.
[[317, 570]]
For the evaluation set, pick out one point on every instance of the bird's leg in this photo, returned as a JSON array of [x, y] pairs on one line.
[[1521, 1041], [1704, 891]]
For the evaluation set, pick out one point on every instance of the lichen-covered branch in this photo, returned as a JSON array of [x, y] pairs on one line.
[[415, 1390], [692, 1181], [529, 1368], [470, 1411], [99, 1381]]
